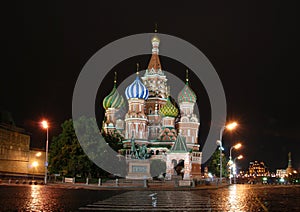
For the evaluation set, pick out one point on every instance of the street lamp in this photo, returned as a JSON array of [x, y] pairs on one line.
[[46, 126], [234, 166], [230, 126], [237, 146], [34, 165], [219, 143]]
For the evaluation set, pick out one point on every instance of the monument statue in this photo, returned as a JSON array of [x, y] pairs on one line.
[[143, 152], [139, 153], [133, 149]]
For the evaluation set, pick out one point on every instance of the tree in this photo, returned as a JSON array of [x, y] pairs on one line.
[[67, 156], [113, 139], [213, 164]]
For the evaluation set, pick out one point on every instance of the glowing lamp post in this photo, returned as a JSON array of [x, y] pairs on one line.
[[219, 143], [237, 146], [46, 126], [230, 126], [234, 166]]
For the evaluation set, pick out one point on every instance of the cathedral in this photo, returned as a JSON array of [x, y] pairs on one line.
[[168, 128]]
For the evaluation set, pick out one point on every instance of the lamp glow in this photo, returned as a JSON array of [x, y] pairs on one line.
[[231, 126], [240, 157], [35, 164], [237, 146], [45, 124]]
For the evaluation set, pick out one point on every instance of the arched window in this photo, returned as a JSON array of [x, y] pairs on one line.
[[184, 119], [194, 119]]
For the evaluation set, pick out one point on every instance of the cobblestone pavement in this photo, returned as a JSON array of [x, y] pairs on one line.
[[232, 198]]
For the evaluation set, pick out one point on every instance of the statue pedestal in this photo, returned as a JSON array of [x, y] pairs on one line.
[[138, 169], [186, 183], [186, 176], [176, 179]]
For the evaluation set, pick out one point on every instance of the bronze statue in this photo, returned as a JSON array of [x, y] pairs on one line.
[[139, 153]]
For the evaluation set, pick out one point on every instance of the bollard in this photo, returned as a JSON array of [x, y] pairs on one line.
[[145, 183], [176, 183], [154, 199], [87, 181], [99, 182], [193, 183], [117, 182]]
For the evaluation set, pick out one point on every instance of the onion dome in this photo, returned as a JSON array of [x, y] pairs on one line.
[[137, 89], [169, 109], [155, 39], [187, 94], [114, 99]]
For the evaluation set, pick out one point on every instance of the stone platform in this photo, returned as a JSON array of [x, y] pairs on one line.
[[138, 169]]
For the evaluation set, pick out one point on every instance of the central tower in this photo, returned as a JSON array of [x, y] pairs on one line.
[[156, 82]]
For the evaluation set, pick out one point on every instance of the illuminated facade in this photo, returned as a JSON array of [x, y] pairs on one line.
[[281, 173], [154, 119], [257, 169], [16, 157]]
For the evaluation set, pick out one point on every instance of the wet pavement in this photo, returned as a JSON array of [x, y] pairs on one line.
[[48, 198], [232, 198]]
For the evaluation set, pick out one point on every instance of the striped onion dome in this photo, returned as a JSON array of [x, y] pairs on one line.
[[169, 109], [187, 95], [114, 99], [137, 90]]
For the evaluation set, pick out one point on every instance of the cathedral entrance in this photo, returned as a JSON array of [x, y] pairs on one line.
[[179, 168], [178, 164]]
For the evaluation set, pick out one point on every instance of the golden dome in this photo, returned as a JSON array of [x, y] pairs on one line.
[[155, 39]]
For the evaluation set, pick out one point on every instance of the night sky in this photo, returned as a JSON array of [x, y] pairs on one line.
[[252, 46]]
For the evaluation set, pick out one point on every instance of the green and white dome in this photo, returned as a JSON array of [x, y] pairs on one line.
[[187, 94], [113, 99]]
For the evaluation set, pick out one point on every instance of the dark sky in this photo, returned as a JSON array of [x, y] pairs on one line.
[[252, 46]]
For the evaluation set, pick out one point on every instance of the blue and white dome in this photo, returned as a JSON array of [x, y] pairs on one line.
[[137, 90]]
